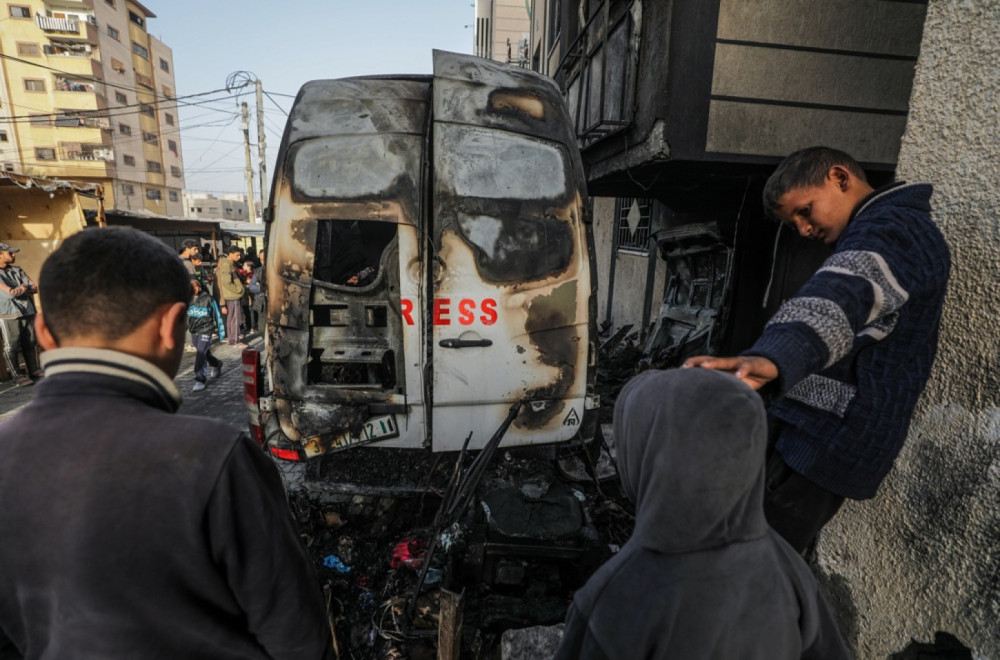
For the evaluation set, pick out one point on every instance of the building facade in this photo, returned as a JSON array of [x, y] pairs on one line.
[[212, 206], [88, 94], [502, 29]]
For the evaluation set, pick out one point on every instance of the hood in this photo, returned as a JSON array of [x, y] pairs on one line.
[[691, 445]]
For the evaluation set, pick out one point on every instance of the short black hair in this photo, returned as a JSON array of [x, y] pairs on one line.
[[106, 282], [233, 249], [804, 169]]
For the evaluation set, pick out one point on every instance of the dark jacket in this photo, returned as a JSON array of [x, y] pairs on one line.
[[132, 532], [702, 576], [204, 317], [854, 347]]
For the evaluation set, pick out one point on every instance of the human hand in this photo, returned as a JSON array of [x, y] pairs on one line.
[[753, 370], [223, 309]]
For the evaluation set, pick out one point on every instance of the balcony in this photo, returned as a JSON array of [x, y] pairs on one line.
[[67, 28], [86, 151], [599, 72], [50, 24]]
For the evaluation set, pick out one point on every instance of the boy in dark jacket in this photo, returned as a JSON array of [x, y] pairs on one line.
[[204, 319], [139, 532]]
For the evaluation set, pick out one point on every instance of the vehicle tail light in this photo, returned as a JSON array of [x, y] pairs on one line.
[[285, 454], [251, 377]]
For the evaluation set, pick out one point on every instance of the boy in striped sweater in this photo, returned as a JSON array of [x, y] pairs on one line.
[[850, 353]]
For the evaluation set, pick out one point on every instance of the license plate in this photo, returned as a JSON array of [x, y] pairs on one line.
[[382, 427], [379, 428]]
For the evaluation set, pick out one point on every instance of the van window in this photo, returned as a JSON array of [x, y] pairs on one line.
[[520, 248], [349, 252], [492, 164], [348, 167]]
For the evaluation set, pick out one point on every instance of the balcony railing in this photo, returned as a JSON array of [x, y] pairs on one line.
[[85, 151], [599, 72], [50, 24]]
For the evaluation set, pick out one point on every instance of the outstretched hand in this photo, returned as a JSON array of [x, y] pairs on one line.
[[753, 370]]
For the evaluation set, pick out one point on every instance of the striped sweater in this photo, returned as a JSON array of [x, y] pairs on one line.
[[854, 346]]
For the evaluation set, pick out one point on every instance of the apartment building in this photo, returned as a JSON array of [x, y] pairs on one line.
[[88, 95], [502, 29], [212, 206]]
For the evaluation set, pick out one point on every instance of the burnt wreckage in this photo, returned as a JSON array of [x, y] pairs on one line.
[[428, 377]]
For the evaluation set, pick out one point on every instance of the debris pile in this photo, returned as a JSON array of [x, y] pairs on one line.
[[402, 579]]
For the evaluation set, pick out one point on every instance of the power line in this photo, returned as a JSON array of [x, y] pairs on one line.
[[95, 79]]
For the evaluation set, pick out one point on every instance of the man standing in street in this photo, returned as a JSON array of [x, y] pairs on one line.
[[17, 318], [231, 289], [190, 248], [131, 531]]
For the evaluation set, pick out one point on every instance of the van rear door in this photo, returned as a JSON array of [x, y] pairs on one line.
[[511, 274]]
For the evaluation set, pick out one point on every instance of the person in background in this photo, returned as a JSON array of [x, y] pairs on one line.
[[259, 302], [848, 356], [139, 532], [702, 575], [231, 290], [204, 321], [17, 318], [189, 248]]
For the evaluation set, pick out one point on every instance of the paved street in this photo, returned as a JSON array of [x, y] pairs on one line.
[[223, 399]]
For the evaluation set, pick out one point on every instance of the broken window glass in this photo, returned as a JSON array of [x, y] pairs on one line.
[[349, 252], [518, 248]]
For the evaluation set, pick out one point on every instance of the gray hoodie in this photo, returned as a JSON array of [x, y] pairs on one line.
[[703, 575]]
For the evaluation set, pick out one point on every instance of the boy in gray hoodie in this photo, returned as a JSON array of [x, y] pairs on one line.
[[703, 575]]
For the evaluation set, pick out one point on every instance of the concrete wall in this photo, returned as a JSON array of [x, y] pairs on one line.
[[924, 556]]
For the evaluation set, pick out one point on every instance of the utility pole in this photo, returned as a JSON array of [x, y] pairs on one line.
[[261, 143], [246, 146]]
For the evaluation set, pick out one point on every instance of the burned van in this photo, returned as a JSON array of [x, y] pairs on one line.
[[428, 267]]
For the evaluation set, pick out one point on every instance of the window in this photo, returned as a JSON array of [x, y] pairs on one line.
[[129, 160], [25, 49], [164, 65], [45, 153], [20, 11], [121, 98], [150, 138], [172, 146], [175, 171], [124, 129], [128, 189], [154, 193], [40, 120], [114, 33], [4, 138], [110, 3], [172, 195], [632, 224], [154, 166], [136, 18], [168, 118], [117, 65], [140, 50], [34, 84], [167, 92], [146, 109]]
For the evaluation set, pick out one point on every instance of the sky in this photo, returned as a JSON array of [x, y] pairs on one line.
[[285, 44]]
